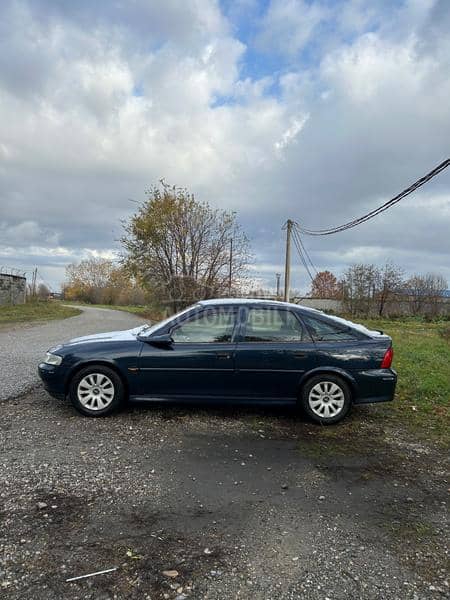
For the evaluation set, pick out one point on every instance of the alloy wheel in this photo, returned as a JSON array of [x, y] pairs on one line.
[[326, 399], [95, 391]]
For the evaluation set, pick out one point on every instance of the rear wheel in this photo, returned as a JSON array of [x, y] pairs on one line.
[[96, 391], [326, 398]]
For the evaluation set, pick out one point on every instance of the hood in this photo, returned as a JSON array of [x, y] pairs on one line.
[[110, 336]]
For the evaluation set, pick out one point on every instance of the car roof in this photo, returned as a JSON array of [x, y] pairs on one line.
[[255, 301]]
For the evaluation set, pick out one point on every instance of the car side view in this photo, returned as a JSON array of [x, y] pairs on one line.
[[228, 350]]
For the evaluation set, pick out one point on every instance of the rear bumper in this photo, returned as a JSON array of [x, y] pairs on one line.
[[53, 378], [375, 385]]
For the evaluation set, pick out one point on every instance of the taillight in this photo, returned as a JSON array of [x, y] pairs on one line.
[[388, 358]]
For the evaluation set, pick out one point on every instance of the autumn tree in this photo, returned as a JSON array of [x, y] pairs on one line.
[[324, 285], [101, 281], [87, 280], [180, 248]]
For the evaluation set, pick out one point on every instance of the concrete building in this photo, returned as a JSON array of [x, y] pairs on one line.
[[12, 289]]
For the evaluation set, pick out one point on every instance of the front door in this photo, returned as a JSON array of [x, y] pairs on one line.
[[200, 361], [274, 350]]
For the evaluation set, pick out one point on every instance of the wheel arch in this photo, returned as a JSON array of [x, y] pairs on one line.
[[101, 362], [347, 377]]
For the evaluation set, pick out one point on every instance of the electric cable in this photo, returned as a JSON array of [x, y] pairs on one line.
[[295, 231], [376, 211], [300, 253]]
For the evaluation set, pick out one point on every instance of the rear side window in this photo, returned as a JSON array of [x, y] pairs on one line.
[[273, 325], [324, 331]]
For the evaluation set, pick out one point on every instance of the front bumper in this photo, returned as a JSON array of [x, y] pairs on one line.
[[53, 378]]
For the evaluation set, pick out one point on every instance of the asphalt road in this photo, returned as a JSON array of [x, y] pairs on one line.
[[22, 347]]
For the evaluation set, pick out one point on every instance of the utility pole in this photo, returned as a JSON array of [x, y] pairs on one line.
[[287, 266], [33, 283], [278, 275], [230, 274]]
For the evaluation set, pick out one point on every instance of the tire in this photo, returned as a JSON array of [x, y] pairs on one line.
[[326, 398], [96, 391]]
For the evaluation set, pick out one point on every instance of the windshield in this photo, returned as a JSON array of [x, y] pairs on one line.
[[150, 329]]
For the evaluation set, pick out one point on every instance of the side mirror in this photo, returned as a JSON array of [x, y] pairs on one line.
[[164, 340]]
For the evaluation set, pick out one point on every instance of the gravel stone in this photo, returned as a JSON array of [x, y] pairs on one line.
[[139, 491], [23, 346]]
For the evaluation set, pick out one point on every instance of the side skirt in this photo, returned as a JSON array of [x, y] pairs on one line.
[[214, 399]]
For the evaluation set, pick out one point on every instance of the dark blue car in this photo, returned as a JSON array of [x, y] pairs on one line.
[[228, 350]]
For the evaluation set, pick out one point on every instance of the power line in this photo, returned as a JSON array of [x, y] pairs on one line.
[[305, 252], [373, 213], [296, 239], [300, 253]]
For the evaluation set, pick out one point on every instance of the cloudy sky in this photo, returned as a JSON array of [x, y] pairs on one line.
[[317, 110]]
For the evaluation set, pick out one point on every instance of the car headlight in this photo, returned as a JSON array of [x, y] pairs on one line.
[[52, 359]]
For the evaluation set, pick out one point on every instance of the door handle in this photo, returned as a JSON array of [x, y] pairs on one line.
[[223, 355], [300, 354]]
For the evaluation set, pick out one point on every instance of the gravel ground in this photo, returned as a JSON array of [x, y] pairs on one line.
[[22, 347], [217, 504]]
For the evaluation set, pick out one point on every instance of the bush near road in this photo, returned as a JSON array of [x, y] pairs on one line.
[[35, 311]]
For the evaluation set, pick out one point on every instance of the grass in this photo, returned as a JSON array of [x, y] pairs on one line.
[[35, 311], [422, 360]]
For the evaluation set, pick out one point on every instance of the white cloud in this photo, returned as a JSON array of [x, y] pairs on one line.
[[289, 25], [97, 103], [26, 233]]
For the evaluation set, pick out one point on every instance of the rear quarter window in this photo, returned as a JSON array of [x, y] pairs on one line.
[[325, 331]]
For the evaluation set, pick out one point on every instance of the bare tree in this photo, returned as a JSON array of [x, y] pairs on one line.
[[180, 248], [359, 288], [389, 281], [425, 293]]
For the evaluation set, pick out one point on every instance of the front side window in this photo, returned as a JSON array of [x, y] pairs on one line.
[[273, 325], [206, 327], [324, 331]]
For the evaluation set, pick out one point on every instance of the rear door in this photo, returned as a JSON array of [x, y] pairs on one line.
[[200, 361], [274, 350]]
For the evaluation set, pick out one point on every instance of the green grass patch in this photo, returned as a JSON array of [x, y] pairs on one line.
[[422, 360], [35, 311]]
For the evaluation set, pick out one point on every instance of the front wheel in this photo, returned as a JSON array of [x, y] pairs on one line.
[[326, 398], [96, 391]]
